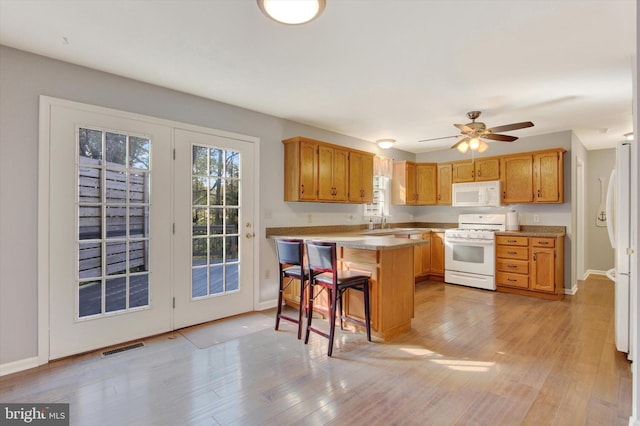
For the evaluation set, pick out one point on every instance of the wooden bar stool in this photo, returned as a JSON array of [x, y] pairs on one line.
[[291, 261], [323, 267]]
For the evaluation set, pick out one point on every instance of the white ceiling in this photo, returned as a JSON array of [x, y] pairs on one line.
[[371, 69]]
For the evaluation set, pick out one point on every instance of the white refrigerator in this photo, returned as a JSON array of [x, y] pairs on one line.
[[618, 207]]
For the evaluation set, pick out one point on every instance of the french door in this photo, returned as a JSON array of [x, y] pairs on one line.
[[140, 243], [214, 227]]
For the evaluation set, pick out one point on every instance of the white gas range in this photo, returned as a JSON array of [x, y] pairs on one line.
[[470, 250]]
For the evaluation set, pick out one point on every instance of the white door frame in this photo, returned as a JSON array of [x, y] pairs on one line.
[[46, 103]]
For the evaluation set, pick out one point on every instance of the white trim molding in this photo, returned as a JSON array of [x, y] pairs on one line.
[[17, 366]]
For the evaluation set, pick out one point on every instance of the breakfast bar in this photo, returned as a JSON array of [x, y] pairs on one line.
[[389, 260]]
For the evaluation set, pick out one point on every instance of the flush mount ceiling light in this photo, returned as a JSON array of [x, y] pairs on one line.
[[385, 143], [629, 136], [292, 12]]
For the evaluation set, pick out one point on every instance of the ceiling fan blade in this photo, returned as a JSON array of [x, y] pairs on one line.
[[464, 128], [509, 127], [435, 139], [501, 138]]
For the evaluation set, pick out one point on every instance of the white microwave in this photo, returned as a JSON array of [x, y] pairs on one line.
[[476, 194]]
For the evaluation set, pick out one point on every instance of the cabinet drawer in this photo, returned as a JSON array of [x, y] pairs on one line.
[[543, 242], [512, 265], [512, 280], [512, 252], [512, 241]]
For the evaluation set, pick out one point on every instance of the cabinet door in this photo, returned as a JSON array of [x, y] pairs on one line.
[[487, 169], [426, 183], [463, 171], [517, 175], [355, 177], [332, 173], [308, 170], [444, 183], [399, 189], [411, 184], [543, 269], [367, 179], [437, 253], [426, 254], [547, 179], [341, 174], [360, 178]]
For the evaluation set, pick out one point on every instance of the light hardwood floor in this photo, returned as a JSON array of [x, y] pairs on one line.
[[472, 357]]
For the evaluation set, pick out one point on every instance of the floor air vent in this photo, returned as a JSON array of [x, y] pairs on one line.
[[122, 349]]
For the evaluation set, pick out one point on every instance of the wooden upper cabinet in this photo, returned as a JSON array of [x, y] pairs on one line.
[[481, 169], [333, 173], [487, 169], [548, 177], [360, 177], [426, 183], [300, 169], [403, 183], [444, 183], [319, 171], [517, 179], [462, 171], [414, 183]]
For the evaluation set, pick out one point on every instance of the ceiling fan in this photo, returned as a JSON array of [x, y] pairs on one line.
[[472, 133]]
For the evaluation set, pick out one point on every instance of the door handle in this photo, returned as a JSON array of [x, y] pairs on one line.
[[249, 235]]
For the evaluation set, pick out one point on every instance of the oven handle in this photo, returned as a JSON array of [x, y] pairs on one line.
[[469, 242]]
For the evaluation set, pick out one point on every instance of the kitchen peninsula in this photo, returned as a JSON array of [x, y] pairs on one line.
[[388, 255]]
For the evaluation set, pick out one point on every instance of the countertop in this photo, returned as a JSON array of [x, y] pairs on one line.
[[391, 238], [361, 240]]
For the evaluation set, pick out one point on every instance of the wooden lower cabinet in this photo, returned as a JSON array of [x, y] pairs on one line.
[[428, 262], [532, 266], [391, 289]]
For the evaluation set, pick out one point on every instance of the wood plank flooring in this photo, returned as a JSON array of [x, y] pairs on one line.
[[472, 357]]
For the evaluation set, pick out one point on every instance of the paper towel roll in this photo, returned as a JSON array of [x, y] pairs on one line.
[[512, 221]]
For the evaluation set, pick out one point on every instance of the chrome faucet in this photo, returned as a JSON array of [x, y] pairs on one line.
[[383, 221]]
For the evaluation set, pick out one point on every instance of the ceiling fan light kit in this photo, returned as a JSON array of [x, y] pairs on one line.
[[292, 12], [385, 143], [473, 133]]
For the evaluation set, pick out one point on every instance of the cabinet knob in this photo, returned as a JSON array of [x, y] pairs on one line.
[[302, 188]]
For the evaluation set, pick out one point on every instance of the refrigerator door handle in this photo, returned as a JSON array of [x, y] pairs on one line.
[[609, 208]]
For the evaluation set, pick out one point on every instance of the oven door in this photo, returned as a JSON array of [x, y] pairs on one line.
[[471, 256]]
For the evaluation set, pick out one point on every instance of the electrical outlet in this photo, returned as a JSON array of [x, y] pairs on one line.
[[536, 218], [309, 218], [268, 213], [267, 274]]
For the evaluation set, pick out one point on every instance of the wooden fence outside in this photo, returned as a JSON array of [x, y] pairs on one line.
[[115, 203]]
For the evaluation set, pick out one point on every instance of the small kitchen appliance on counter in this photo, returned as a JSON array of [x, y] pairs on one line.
[[512, 221]]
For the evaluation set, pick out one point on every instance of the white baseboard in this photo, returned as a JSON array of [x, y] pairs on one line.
[[593, 272], [20, 365], [266, 305], [571, 291]]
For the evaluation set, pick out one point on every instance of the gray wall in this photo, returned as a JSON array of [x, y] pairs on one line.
[[24, 77], [598, 251]]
